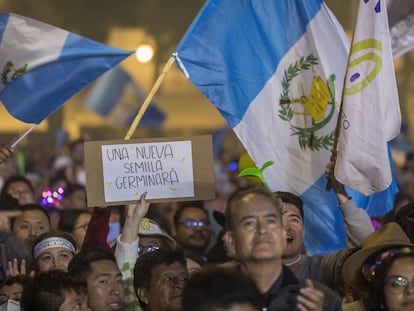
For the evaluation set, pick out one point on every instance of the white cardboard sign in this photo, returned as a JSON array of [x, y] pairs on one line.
[[168, 169], [162, 169]]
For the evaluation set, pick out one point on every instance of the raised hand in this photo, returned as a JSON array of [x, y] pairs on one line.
[[13, 268], [310, 298], [5, 153], [135, 213]]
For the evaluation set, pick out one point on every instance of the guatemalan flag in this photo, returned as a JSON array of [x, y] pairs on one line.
[[275, 69], [42, 66], [117, 97]]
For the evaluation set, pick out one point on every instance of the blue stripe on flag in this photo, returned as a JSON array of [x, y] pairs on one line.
[[321, 216], [380, 203], [247, 44], [4, 19], [42, 89]]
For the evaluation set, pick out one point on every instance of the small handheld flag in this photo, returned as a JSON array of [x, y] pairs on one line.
[[117, 97], [42, 66]]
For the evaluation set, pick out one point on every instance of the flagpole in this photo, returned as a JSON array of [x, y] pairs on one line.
[[149, 98], [13, 145], [339, 121]]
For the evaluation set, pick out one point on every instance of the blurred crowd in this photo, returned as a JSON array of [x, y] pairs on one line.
[[241, 251]]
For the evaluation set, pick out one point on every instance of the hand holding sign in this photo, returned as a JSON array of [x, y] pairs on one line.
[[135, 213]]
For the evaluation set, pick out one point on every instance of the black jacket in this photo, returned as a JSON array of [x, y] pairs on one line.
[[283, 297]]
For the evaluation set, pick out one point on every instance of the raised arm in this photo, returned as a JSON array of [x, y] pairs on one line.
[[126, 251], [356, 221]]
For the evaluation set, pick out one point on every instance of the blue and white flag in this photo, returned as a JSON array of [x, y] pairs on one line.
[[42, 66], [117, 97], [275, 69], [371, 110]]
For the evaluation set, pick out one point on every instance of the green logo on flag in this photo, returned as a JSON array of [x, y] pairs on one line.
[[312, 107]]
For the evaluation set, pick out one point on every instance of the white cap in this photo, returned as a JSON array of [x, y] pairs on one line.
[[149, 227]]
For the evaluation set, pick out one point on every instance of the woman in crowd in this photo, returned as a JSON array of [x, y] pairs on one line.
[[392, 286], [53, 251], [381, 272]]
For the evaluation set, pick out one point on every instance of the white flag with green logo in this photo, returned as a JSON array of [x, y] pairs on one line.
[[371, 113]]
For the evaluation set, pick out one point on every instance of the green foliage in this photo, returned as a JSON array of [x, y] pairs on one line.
[[256, 172]]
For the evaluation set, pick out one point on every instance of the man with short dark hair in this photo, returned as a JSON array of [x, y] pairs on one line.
[[55, 290], [257, 238], [105, 288], [32, 222], [192, 230], [159, 279], [326, 268]]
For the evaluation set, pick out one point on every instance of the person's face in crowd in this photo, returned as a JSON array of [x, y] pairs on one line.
[[148, 243], [166, 287], [79, 230], [74, 302], [295, 231], [21, 192], [105, 288], [193, 230], [77, 200], [56, 258], [399, 295], [13, 291], [29, 225], [257, 232], [78, 154]]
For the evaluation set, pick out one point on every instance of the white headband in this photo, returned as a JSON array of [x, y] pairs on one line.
[[52, 243]]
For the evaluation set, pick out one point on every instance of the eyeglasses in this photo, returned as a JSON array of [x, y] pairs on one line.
[[398, 283], [194, 223], [146, 249]]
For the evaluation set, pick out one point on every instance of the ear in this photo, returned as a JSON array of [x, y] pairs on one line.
[[229, 244], [142, 295]]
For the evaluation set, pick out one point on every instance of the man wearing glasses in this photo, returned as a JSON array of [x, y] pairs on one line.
[[192, 230]]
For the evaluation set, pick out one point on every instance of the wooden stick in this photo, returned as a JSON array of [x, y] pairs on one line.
[[149, 98], [339, 121]]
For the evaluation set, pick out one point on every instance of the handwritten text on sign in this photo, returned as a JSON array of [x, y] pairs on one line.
[[163, 170]]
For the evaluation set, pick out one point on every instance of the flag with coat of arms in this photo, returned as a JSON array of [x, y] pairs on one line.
[[275, 70], [42, 66]]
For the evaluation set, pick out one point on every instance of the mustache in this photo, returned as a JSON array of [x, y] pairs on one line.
[[199, 234]]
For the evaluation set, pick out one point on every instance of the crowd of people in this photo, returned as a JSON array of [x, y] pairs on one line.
[[242, 251]]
